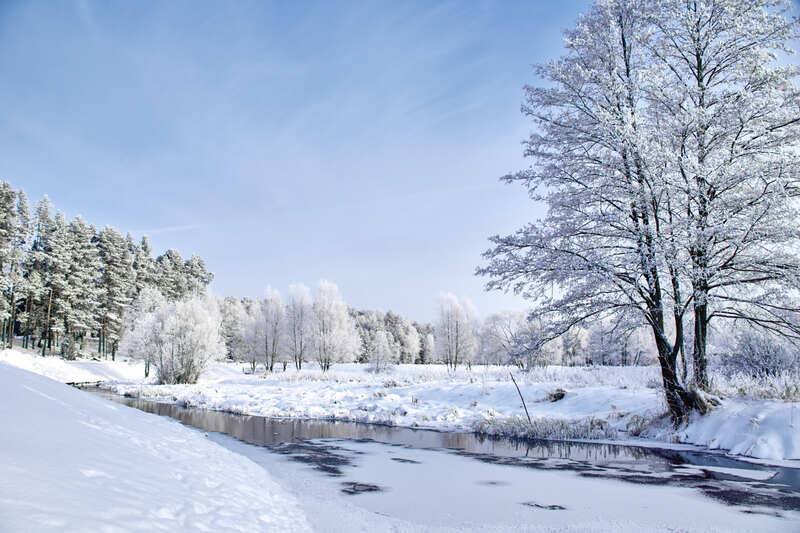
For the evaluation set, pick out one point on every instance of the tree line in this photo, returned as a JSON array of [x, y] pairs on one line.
[[66, 282], [319, 327]]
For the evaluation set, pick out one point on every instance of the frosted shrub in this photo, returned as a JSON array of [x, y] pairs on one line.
[[179, 339], [757, 355], [382, 352], [69, 349]]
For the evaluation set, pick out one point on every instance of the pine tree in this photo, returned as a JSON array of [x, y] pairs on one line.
[[171, 278], [7, 231], [116, 282], [18, 251], [83, 291], [144, 266]]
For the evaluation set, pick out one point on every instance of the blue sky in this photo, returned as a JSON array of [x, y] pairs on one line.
[[359, 142]]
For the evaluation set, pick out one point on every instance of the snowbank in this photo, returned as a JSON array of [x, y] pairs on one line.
[[763, 429], [72, 371], [73, 462], [486, 401], [600, 402]]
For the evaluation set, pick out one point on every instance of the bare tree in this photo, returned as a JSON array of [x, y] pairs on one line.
[[454, 335], [273, 313], [299, 316]]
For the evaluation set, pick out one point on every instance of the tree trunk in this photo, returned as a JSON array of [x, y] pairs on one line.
[[46, 345], [13, 318], [679, 401], [699, 358]]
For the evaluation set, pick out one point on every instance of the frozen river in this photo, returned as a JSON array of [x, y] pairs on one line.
[[361, 477]]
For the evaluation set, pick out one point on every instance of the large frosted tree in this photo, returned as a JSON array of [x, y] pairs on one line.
[[620, 225], [729, 122]]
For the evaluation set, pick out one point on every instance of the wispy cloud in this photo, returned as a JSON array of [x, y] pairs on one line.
[[170, 229]]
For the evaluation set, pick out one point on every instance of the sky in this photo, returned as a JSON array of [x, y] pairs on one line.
[[359, 142]]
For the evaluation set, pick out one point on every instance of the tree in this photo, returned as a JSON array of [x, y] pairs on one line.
[[117, 286], [665, 139], [196, 275], [83, 291], [17, 285], [145, 266], [171, 275], [383, 351], [138, 327], [368, 323], [273, 314], [181, 338], [299, 318], [234, 318], [729, 122], [428, 348], [255, 334], [336, 338], [603, 249], [454, 335]]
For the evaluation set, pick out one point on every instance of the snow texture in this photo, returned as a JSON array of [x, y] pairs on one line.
[[74, 462]]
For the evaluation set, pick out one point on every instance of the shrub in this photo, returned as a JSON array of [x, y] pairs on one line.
[[757, 355]]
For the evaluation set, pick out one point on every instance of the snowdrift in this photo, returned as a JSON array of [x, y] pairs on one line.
[[72, 461]]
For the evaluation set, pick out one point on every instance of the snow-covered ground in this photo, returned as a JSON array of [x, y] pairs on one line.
[[71, 461], [600, 402], [80, 371]]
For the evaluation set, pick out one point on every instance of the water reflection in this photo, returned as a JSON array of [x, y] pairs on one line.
[[268, 431]]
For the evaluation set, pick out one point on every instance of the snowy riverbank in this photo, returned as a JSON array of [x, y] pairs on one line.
[[74, 462], [609, 403]]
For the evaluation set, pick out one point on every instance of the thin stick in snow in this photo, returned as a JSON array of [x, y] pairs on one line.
[[521, 398]]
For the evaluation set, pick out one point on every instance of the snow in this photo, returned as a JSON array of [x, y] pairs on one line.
[[79, 371], [610, 403], [756, 428], [74, 462]]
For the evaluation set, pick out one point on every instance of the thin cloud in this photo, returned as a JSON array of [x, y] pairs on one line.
[[170, 229]]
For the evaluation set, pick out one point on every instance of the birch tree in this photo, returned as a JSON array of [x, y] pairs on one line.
[[273, 313], [299, 319], [383, 351], [336, 338], [454, 335]]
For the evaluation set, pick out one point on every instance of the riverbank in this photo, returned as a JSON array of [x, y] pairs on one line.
[[609, 403], [75, 462]]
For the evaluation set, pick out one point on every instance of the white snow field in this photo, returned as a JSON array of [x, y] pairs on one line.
[[71, 461], [609, 403], [79, 371]]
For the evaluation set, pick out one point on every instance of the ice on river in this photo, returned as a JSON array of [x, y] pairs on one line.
[[443, 491]]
